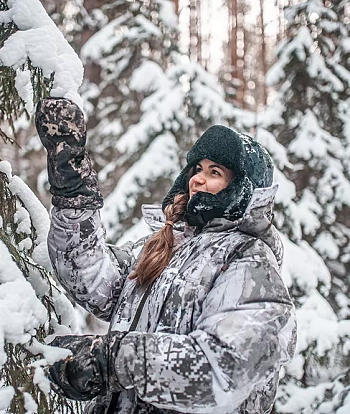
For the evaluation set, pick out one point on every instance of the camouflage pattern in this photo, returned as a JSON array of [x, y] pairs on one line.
[[85, 374], [62, 130], [217, 325]]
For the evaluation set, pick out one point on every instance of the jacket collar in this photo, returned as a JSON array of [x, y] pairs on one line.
[[261, 198], [261, 201]]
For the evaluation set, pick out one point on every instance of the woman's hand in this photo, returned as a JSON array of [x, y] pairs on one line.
[[86, 373], [61, 127]]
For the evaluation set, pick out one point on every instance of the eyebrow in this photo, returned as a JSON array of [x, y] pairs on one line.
[[212, 166]]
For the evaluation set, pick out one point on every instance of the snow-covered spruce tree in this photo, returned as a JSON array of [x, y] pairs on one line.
[[309, 119], [31, 305], [145, 108], [313, 79]]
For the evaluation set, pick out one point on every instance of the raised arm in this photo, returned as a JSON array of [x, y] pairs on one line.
[[83, 263]]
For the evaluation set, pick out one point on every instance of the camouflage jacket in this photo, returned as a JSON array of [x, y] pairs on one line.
[[215, 329]]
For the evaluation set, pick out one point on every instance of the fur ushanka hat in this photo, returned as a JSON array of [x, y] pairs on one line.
[[250, 162]]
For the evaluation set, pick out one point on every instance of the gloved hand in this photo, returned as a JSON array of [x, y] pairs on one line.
[[62, 130], [88, 372]]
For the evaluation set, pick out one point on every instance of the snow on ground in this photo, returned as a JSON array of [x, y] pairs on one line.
[[39, 39]]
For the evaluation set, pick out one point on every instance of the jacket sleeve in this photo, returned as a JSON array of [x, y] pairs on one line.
[[246, 331], [84, 264]]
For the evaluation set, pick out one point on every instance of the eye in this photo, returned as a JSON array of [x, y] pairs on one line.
[[198, 169], [216, 172]]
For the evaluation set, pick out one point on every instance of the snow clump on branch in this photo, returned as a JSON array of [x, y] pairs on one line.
[[39, 40]]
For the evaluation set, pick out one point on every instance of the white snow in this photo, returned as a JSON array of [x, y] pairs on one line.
[[22, 219], [309, 212], [135, 233], [148, 77], [39, 217], [103, 41], [39, 39], [5, 167], [6, 395], [160, 160], [326, 245], [167, 13], [304, 266], [166, 107], [30, 405], [299, 45], [40, 379], [21, 312], [275, 149], [146, 26], [311, 140], [25, 244], [318, 69], [25, 89], [286, 191]]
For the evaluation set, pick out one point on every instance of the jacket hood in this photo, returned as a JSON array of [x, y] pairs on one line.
[[250, 162], [262, 199]]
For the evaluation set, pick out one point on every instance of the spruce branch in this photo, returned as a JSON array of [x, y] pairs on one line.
[[18, 370], [12, 106]]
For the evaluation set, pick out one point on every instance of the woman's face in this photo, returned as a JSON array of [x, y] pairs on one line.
[[209, 177]]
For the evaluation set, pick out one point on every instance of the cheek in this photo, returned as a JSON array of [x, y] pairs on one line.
[[217, 185]]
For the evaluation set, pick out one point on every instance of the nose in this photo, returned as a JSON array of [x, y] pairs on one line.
[[199, 179]]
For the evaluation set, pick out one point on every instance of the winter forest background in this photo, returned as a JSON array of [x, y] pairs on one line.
[[157, 74]]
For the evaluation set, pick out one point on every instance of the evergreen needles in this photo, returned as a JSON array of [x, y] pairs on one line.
[[18, 370]]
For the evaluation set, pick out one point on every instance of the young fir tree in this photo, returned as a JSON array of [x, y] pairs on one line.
[[308, 117]]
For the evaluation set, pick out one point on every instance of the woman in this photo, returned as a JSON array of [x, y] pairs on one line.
[[200, 320]]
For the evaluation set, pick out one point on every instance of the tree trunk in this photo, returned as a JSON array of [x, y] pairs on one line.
[[262, 87], [240, 52], [193, 30], [177, 6], [233, 37], [199, 32]]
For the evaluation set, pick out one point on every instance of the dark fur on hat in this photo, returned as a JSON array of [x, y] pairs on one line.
[[250, 162]]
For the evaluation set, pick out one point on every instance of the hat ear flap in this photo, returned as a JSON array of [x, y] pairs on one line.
[[237, 196], [180, 186]]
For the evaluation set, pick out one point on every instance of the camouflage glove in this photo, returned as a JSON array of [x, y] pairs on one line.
[[89, 371], [62, 130]]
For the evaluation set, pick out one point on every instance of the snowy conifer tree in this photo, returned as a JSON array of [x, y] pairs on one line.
[[147, 107], [31, 306], [308, 118], [313, 80]]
